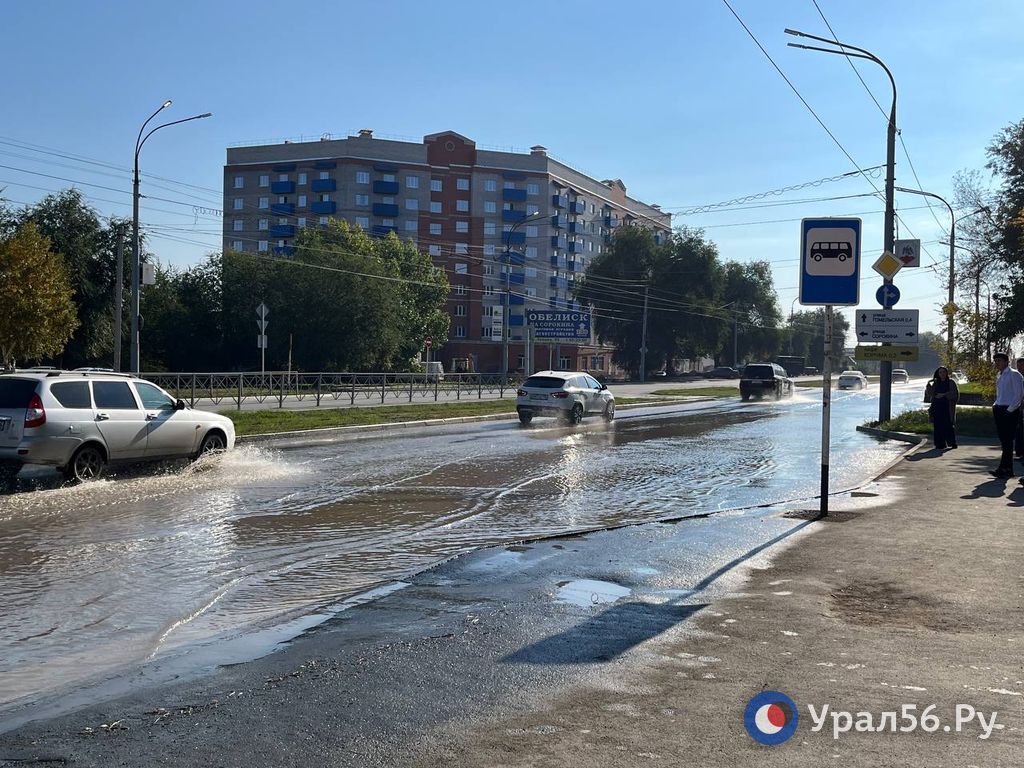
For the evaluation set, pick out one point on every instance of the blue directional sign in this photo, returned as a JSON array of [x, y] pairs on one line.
[[887, 296], [830, 262], [551, 324]]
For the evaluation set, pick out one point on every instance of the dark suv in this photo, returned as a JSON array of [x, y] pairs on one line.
[[765, 379]]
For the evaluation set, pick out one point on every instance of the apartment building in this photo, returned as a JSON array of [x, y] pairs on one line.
[[466, 207]]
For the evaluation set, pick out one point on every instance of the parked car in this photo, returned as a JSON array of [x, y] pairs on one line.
[[852, 380], [568, 394], [765, 380], [435, 370], [959, 377], [900, 376], [723, 372], [810, 370], [81, 421]]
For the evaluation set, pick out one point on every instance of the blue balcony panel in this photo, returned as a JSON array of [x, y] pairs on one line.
[[282, 230], [516, 301], [385, 168], [323, 165], [282, 187], [324, 185], [513, 195], [575, 248], [557, 241], [573, 266], [284, 168], [324, 207], [514, 238], [559, 222], [611, 221], [517, 278], [515, 258], [381, 231], [385, 209], [577, 207], [507, 215], [515, 319], [577, 227], [284, 250], [385, 187], [559, 201], [558, 262], [285, 209]]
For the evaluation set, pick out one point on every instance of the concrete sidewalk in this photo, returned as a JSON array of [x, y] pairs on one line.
[[911, 597]]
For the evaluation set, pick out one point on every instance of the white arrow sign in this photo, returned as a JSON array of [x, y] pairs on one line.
[[904, 335], [888, 325]]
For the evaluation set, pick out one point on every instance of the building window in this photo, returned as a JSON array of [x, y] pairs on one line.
[[237, 245], [435, 207], [488, 290], [302, 201], [490, 206], [362, 177], [363, 221], [325, 198], [435, 185], [490, 185], [462, 226], [489, 249], [591, 209], [263, 224], [302, 179], [533, 188], [264, 202], [461, 269], [460, 332], [460, 290], [238, 204], [236, 225], [531, 231], [362, 200], [509, 185], [490, 228], [387, 222], [488, 270], [531, 271], [410, 225], [590, 246], [239, 182], [532, 209], [282, 177], [264, 180], [435, 250], [387, 177], [435, 229], [322, 221], [485, 332], [462, 184], [531, 292], [460, 310], [325, 174], [412, 182], [531, 252], [412, 204], [282, 199], [302, 221], [461, 249], [462, 205], [262, 246]]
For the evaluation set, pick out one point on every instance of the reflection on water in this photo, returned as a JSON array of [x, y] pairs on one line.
[[112, 573]]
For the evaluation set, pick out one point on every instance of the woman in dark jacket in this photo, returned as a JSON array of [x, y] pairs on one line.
[[942, 394]]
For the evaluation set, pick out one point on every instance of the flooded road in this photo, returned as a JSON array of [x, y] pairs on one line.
[[104, 577]]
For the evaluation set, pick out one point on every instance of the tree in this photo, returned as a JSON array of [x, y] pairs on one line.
[[37, 311], [1006, 162], [808, 332], [749, 292]]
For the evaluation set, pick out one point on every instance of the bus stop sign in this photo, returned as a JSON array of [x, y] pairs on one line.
[[830, 262]]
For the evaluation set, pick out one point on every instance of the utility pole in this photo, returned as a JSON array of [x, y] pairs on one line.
[[643, 342], [118, 297], [735, 339]]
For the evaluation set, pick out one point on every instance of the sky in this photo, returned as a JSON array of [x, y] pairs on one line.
[[672, 96]]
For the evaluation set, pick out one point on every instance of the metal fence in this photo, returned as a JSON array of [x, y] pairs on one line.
[[331, 388]]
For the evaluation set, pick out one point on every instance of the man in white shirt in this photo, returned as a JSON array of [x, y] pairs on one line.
[[1009, 394]]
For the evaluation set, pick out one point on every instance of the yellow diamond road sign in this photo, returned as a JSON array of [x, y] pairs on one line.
[[887, 265], [901, 353]]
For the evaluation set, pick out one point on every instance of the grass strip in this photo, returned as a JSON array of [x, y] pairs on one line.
[[970, 422]]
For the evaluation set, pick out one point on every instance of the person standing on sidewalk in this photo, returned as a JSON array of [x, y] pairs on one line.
[[1018, 440], [1005, 410], [942, 394]]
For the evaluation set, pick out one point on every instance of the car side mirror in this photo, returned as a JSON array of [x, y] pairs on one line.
[[604, 387], [179, 405]]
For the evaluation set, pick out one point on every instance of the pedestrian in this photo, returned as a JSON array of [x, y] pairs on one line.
[[942, 395], [1009, 394], [1018, 440]]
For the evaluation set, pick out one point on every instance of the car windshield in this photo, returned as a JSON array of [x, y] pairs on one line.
[[758, 372], [15, 393], [544, 382]]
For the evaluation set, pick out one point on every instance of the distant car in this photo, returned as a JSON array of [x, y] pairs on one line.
[[765, 380], [810, 370], [959, 377], [852, 380], [568, 394], [723, 372], [900, 376], [659, 374], [79, 422]]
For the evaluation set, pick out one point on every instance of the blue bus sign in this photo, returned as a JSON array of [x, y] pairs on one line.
[[830, 262], [551, 324]]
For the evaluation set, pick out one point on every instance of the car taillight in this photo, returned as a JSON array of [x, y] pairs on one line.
[[35, 414], [561, 395], [520, 393]]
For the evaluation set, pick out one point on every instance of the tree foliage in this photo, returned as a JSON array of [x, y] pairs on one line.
[[807, 330], [37, 310], [1006, 162]]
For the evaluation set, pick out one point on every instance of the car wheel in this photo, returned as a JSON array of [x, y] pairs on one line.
[[213, 443], [609, 412], [525, 417], [576, 414], [744, 396], [87, 464]]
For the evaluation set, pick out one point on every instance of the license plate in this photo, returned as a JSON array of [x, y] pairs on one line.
[[538, 397], [5, 423]]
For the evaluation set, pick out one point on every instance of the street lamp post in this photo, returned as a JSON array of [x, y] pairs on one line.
[[885, 385], [508, 289], [136, 261]]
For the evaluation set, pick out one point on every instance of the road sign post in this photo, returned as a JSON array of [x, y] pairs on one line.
[[826, 411], [261, 339]]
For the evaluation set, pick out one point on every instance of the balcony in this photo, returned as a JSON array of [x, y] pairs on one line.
[[282, 187], [516, 319], [558, 262], [577, 207], [324, 185], [385, 187], [513, 195], [513, 238], [574, 266], [558, 282], [577, 227], [559, 201], [507, 215], [611, 221], [284, 168], [559, 241], [379, 230], [284, 250], [389, 210], [559, 222], [324, 207], [517, 278], [285, 209], [516, 301], [575, 247], [282, 230]]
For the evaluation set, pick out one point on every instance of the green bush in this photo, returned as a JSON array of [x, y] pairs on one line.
[[970, 422]]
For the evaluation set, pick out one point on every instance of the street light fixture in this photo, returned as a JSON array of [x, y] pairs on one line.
[[508, 289], [136, 265], [952, 265], [852, 51]]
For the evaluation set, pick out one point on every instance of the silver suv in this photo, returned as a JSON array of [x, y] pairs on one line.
[[80, 421], [570, 395]]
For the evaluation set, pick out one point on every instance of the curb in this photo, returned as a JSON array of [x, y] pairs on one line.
[[906, 437]]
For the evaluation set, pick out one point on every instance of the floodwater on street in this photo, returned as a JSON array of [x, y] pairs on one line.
[[104, 577]]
